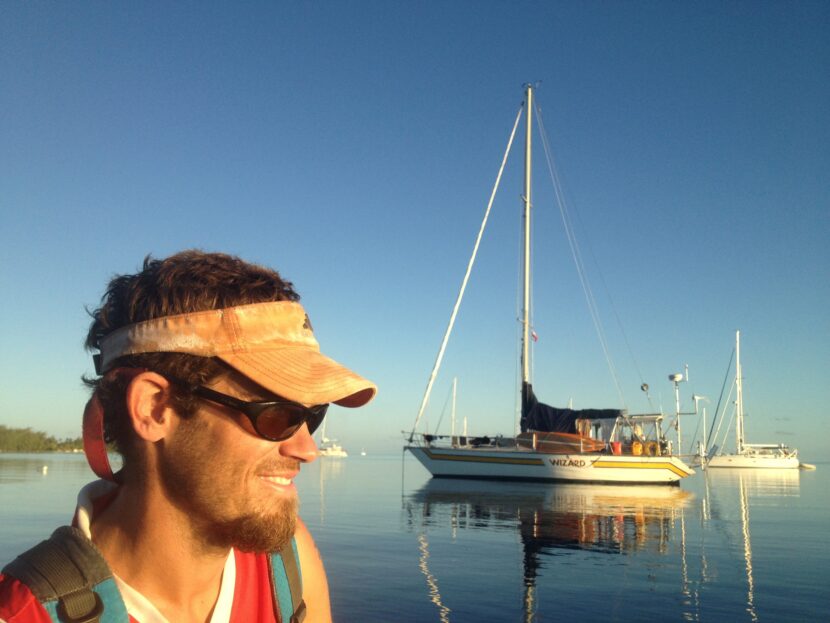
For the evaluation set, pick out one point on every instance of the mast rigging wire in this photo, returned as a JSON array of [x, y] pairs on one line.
[[720, 398], [441, 350], [723, 417], [577, 257], [443, 411]]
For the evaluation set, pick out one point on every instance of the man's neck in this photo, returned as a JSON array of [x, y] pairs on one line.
[[152, 546]]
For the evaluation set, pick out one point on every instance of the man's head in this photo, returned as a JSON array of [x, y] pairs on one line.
[[208, 320], [189, 281]]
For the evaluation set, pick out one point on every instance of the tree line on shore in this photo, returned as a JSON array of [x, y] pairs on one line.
[[28, 440]]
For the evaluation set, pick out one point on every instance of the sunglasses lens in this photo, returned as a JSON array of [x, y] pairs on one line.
[[280, 422], [315, 418]]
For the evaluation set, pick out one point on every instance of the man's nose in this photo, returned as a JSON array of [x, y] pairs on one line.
[[300, 446]]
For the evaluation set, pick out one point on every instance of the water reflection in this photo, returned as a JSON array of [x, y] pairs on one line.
[[599, 518], [329, 471], [549, 520], [432, 582], [757, 483], [726, 488], [19, 468]]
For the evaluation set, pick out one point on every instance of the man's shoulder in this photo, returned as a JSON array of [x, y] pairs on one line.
[[18, 604], [62, 571]]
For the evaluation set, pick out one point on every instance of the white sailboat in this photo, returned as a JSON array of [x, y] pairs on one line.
[[753, 455], [588, 446], [330, 447]]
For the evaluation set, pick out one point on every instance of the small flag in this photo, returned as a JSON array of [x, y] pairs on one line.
[[534, 336]]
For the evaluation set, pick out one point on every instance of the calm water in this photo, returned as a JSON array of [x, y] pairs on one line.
[[728, 546]]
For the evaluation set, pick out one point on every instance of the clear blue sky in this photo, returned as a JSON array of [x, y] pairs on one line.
[[353, 147]]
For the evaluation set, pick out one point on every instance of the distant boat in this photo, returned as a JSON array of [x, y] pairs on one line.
[[587, 446], [330, 447], [333, 449], [753, 455]]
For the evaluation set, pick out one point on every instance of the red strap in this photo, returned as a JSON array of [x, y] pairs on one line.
[[95, 447]]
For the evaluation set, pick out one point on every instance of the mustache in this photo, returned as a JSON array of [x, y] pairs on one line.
[[278, 465]]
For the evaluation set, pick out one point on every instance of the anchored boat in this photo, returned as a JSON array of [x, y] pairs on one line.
[[330, 447], [753, 455], [588, 446]]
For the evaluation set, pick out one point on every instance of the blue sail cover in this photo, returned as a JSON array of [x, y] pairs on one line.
[[544, 418]]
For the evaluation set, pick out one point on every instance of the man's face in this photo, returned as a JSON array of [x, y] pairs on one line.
[[236, 487]]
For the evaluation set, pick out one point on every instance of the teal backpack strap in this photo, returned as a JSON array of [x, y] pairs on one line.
[[287, 583], [68, 575]]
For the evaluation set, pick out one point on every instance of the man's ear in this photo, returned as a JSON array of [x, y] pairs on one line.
[[148, 405]]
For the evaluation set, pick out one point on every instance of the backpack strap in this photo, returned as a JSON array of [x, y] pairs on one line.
[[287, 584], [68, 575]]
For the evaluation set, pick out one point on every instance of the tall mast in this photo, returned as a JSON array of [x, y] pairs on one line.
[[527, 205], [739, 419], [452, 427]]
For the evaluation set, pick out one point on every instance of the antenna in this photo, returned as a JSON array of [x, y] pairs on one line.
[[677, 378]]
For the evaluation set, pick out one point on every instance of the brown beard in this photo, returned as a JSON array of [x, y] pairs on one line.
[[200, 483], [255, 533]]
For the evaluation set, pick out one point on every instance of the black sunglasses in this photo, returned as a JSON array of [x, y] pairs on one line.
[[274, 420]]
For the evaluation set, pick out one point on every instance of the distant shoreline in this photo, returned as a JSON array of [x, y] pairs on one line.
[[28, 440], [72, 451]]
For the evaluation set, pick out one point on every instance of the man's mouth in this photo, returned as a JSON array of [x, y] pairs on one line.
[[279, 482]]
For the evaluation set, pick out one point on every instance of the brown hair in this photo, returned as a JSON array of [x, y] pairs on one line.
[[186, 282]]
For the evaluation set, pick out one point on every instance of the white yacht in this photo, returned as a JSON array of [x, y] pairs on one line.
[[587, 446], [754, 455]]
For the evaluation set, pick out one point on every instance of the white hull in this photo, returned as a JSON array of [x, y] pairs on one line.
[[753, 461], [517, 464], [333, 451], [753, 455]]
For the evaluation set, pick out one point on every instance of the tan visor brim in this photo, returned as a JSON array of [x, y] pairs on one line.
[[270, 343], [303, 375]]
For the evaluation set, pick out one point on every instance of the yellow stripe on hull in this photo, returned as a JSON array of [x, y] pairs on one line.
[[637, 465]]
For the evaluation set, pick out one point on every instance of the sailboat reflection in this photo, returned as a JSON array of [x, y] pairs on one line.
[[548, 519], [328, 470], [757, 482], [750, 485], [570, 516]]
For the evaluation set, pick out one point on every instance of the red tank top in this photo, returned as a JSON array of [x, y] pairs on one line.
[[253, 597]]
